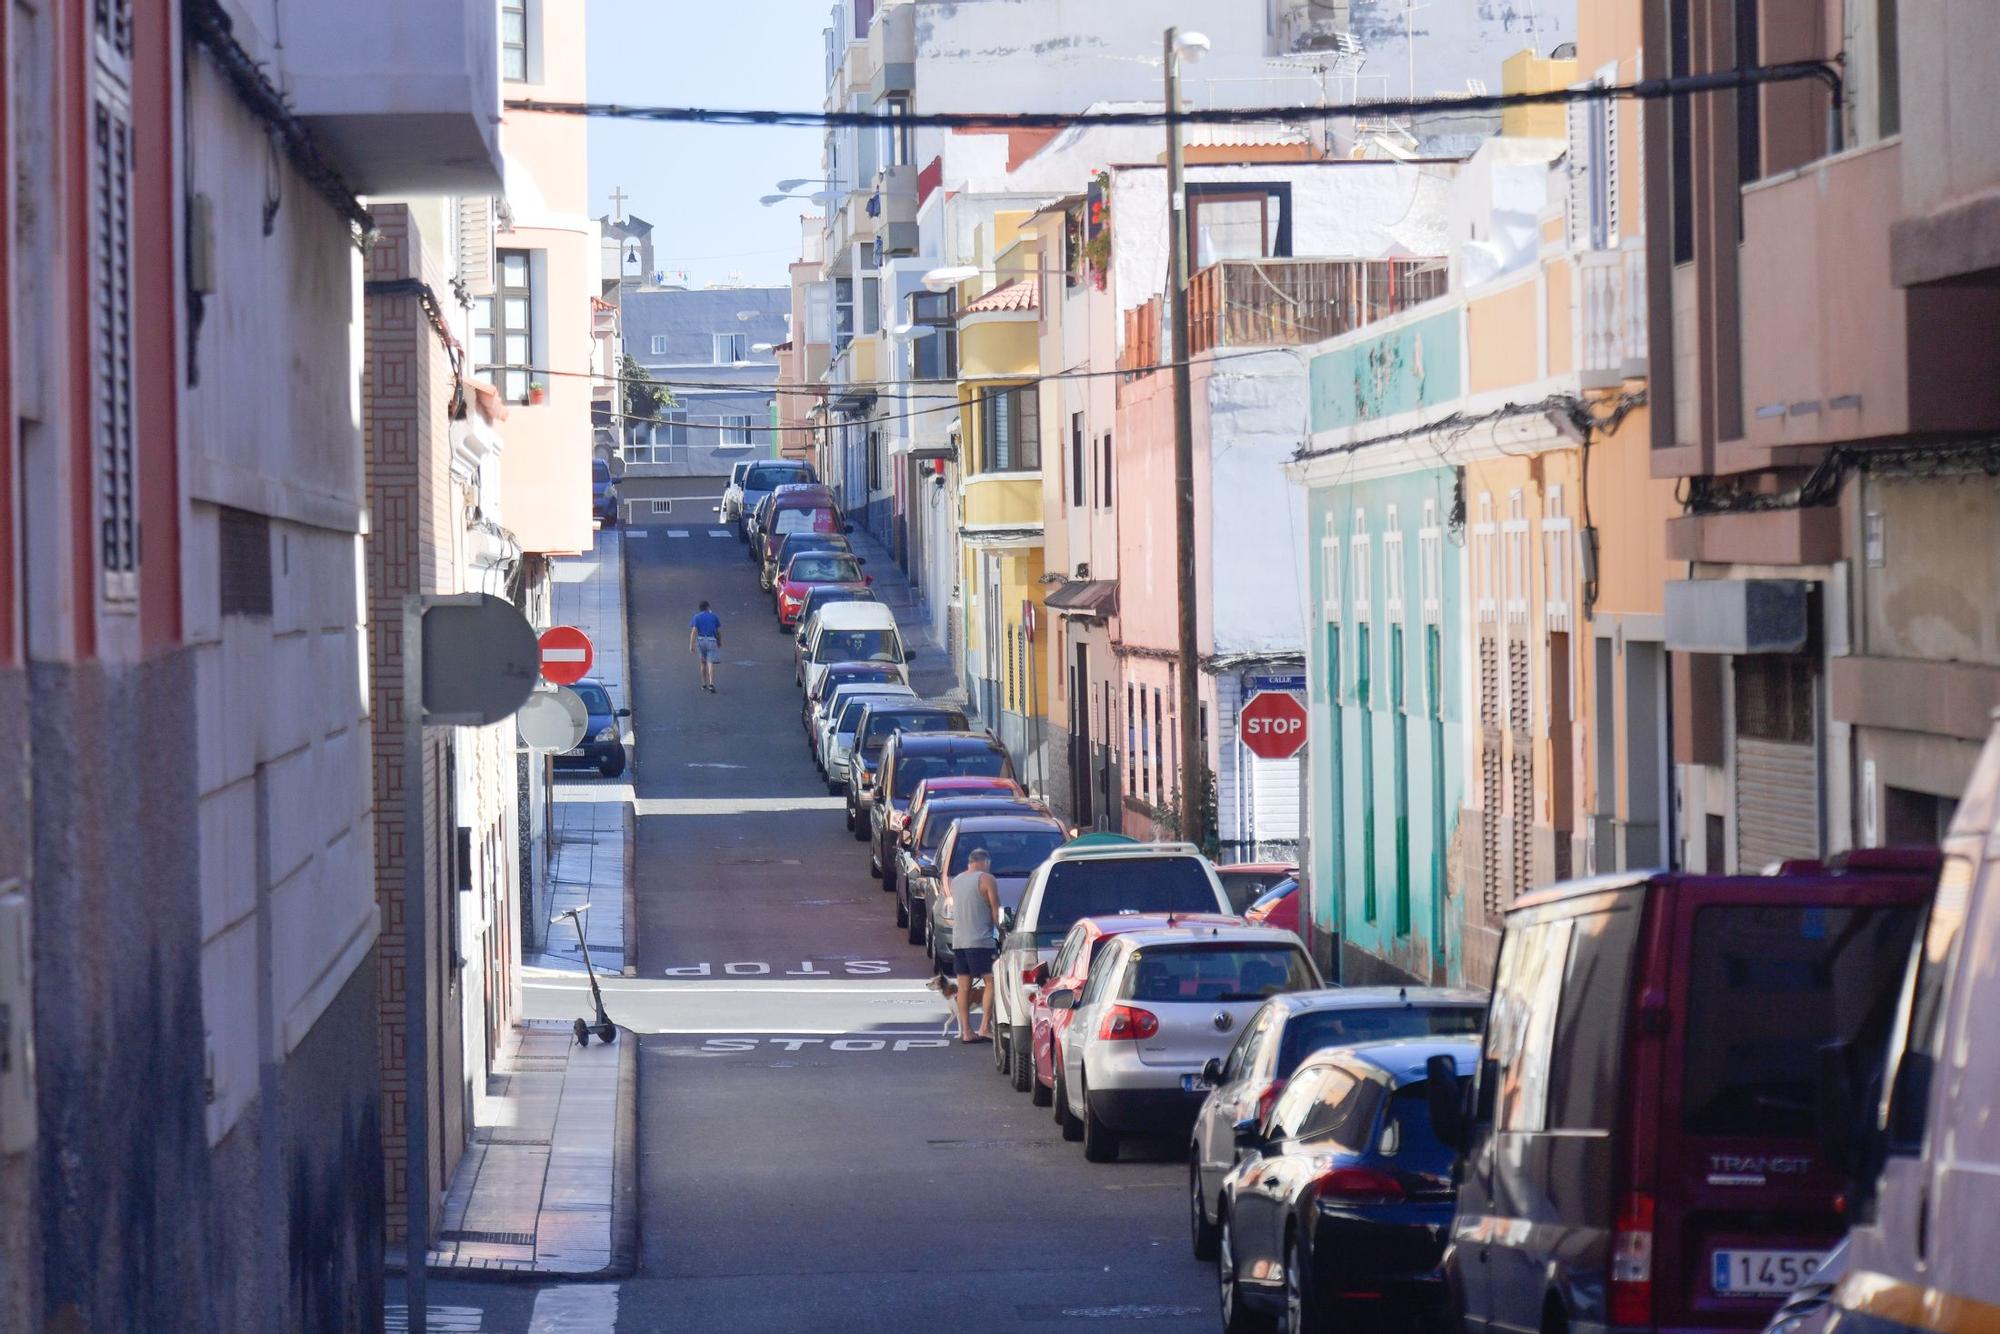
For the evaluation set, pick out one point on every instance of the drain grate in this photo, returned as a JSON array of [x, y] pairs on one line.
[[489, 1238]]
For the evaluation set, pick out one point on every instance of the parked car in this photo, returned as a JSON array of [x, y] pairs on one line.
[[823, 595], [911, 756], [1245, 882], [811, 569], [731, 508], [854, 632], [839, 674], [759, 522], [603, 745], [1160, 1005], [1069, 971], [1277, 906], [958, 785], [924, 833], [1338, 1209], [603, 493], [877, 724], [1093, 876], [800, 509], [1017, 842], [1925, 1171], [762, 477], [1247, 1083], [835, 729], [1643, 1150], [1810, 1308], [787, 545]]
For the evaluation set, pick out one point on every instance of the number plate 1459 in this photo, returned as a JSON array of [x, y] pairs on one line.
[[1763, 1273]]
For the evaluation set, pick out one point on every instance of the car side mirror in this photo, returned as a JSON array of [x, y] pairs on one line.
[[867, 578], [1211, 1072], [1447, 1106], [1006, 919], [1062, 998], [624, 713], [1248, 1133]]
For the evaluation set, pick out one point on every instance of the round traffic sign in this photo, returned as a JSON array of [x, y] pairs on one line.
[[1272, 725], [566, 655], [553, 720]]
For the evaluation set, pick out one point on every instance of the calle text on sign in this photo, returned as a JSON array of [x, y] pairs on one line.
[[1272, 725]]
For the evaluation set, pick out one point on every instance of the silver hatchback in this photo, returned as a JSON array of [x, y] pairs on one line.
[[1158, 1007]]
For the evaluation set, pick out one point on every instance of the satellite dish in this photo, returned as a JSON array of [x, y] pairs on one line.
[[553, 720]]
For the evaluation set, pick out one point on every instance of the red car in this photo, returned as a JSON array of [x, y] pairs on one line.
[[795, 509], [815, 569], [1245, 882], [1071, 968], [1277, 906]]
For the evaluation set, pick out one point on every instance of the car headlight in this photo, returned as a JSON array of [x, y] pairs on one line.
[[607, 733]]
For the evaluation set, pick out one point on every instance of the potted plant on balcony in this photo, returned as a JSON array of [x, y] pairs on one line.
[[1097, 228], [537, 392]]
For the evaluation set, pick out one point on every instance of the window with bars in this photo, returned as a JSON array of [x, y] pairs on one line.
[[1430, 566], [1490, 784], [111, 310], [1392, 568], [1556, 560], [1523, 869], [514, 40], [1010, 426], [503, 328], [1364, 702], [1329, 569], [1131, 745]]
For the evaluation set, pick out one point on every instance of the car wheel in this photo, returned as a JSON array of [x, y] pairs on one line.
[[612, 765], [1236, 1317], [850, 815], [1100, 1142], [832, 788], [1040, 1094], [1301, 1306], [1201, 1230], [1002, 1048], [912, 917], [1072, 1128], [1023, 1068], [888, 872]]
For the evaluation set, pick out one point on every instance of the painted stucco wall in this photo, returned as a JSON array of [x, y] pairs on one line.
[[1252, 533], [1412, 364]]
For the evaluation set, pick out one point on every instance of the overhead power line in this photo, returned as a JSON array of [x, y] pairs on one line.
[[1643, 90]]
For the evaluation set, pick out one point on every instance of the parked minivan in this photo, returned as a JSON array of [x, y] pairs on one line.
[[1926, 1203], [853, 632], [1642, 1149]]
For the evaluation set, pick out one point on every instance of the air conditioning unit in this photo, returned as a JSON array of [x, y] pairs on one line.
[[1316, 25]]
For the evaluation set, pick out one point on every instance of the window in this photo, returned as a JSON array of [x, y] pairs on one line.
[[659, 345], [1297, 1102], [1238, 222], [1243, 1056], [1073, 248], [671, 428], [1344, 1111], [1774, 697], [1587, 1053], [896, 149], [1215, 974], [503, 328], [1681, 126], [1077, 459], [1521, 1029], [514, 40], [935, 356], [1749, 101], [1915, 1050], [1306, 1033], [735, 428], [1159, 749], [731, 348], [871, 306], [843, 312], [1010, 427], [874, 460], [1104, 474], [112, 433]]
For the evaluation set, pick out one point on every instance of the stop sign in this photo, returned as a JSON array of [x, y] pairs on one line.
[[1273, 725], [566, 654]]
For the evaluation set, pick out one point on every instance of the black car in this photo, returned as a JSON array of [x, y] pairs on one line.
[[871, 738], [1017, 845], [917, 849], [1340, 1204], [908, 759], [602, 748]]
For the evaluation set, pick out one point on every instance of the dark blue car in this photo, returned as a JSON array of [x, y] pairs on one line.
[[603, 493], [1339, 1207], [603, 746]]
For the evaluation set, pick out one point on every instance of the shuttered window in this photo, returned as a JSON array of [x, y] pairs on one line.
[[111, 368]]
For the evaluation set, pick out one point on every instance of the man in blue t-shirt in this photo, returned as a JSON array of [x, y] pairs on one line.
[[705, 642]]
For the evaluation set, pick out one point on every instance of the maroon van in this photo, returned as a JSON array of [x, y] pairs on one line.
[[1641, 1151]]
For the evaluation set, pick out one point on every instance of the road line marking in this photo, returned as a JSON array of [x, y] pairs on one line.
[[575, 1308], [720, 532], [677, 532], [635, 532]]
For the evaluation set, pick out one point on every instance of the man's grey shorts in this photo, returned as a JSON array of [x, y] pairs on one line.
[[709, 647]]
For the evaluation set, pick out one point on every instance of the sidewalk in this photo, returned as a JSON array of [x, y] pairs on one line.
[[548, 1185]]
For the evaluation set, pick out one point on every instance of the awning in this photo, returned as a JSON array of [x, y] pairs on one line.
[[1738, 615], [1092, 599], [1002, 535]]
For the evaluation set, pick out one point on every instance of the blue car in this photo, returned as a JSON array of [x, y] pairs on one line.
[[603, 745], [603, 493]]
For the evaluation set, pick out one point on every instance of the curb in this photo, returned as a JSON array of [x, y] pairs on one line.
[[630, 822]]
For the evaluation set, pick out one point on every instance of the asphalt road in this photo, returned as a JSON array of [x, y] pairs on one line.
[[816, 1153]]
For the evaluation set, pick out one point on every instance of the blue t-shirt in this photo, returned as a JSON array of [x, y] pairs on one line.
[[707, 625]]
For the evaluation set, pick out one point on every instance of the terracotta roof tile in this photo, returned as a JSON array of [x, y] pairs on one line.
[[1020, 294]]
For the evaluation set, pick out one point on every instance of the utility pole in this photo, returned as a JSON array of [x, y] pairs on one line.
[[1194, 760]]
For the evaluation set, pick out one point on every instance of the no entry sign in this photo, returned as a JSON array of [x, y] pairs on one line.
[[566, 655], [1272, 725]]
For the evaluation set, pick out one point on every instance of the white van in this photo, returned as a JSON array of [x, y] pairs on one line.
[[854, 632], [1926, 1207]]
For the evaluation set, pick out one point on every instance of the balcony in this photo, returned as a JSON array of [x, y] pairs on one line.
[[896, 208], [1613, 325], [405, 98], [893, 42], [1282, 303], [997, 502]]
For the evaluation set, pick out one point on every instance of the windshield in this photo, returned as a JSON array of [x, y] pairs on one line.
[[737, 472], [914, 769], [1101, 886], [835, 678], [1214, 973], [766, 476], [1309, 1032], [793, 520], [1768, 987], [1406, 1133], [823, 570], [593, 697], [939, 820], [1015, 852], [882, 724], [850, 710], [858, 646]]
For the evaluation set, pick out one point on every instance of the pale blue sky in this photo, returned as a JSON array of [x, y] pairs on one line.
[[699, 185]]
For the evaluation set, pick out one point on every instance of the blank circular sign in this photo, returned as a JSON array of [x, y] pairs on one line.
[[553, 719]]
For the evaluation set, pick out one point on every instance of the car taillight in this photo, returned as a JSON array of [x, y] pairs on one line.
[[1127, 1023], [1632, 1261], [1357, 1185]]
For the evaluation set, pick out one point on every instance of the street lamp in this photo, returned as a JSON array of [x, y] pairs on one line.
[[796, 181], [817, 197], [940, 280], [1184, 46]]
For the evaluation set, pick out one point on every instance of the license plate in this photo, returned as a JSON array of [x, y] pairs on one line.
[[1762, 1273]]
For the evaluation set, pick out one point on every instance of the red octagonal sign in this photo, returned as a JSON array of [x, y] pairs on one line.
[[566, 655], [1272, 724]]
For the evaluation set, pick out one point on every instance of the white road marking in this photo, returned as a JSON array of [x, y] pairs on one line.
[[720, 532], [575, 1308], [443, 1319], [635, 532], [677, 532], [733, 805]]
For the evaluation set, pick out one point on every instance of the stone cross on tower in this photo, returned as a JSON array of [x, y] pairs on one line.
[[618, 198]]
